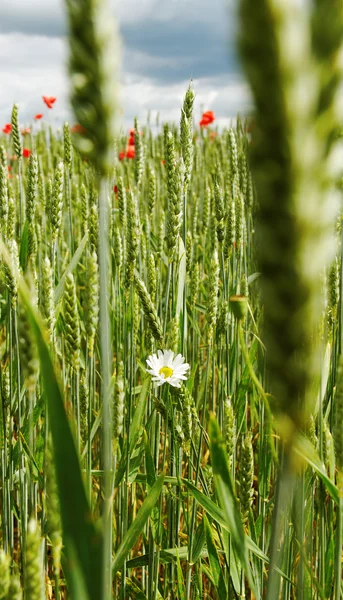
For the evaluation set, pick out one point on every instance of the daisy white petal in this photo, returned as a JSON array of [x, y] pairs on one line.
[[165, 367]]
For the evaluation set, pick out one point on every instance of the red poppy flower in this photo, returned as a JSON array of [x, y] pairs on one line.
[[26, 152], [7, 128], [38, 116], [49, 101], [25, 131], [207, 118], [131, 141], [209, 115], [121, 155], [131, 152], [9, 168], [115, 189], [163, 161], [132, 132]]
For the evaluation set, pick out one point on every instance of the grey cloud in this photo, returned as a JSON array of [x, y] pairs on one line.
[[165, 43], [33, 18], [184, 50], [193, 37]]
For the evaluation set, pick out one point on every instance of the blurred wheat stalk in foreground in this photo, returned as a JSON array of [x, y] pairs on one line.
[[295, 72]]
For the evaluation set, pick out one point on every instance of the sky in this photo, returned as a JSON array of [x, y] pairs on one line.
[[165, 44]]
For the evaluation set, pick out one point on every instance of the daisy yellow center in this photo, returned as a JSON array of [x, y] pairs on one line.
[[166, 372]]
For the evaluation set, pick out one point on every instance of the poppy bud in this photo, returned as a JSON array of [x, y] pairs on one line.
[[239, 306]]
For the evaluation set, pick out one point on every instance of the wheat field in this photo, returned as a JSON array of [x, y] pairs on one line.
[[171, 420]]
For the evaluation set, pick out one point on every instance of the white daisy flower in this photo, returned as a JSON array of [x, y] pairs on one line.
[[167, 368]]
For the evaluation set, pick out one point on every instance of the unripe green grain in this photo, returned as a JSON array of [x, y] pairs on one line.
[[31, 203], [240, 221], [5, 562], [212, 299], [91, 309], [160, 235], [11, 271], [223, 318], [246, 477], [338, 418], [56, 202], [233, 162], [333, 292], [250, 193], [84, 405], [132, 238], [173, 334], [122, 204], [194, 285], [189, 251], [6, 386], [15, 591], [93, 62], [219, 209], [195, 218], [174, 215], [244, 286], [93, 227], [152, 277], [33, 569], [67, 148], [3, 194], [186, 136], [229, 428], [15, 132], [136, 315], [139, 154], [47, 296], [149, 310], [243, 174], [71, 318], [152, 191], [118, 404]]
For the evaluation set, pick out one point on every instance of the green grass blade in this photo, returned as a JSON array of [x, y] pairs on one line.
[[136, 425], [135, 430], [216, 569], [218, 515], [136, 527], [227, 497], [180, 581], [80, 533], [304, 449], [70, 268], [198, 543], [165, 557]]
